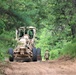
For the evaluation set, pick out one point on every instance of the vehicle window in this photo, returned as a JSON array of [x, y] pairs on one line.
[[30, 33]]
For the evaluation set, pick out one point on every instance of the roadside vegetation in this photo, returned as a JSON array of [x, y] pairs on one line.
[[55, 21]]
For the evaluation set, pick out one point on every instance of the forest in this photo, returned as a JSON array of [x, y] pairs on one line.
[[55, 22]]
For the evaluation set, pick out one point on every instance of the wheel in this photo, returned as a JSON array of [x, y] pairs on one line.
[[38, 51], [10, 52], [39, 54], [34, 58]]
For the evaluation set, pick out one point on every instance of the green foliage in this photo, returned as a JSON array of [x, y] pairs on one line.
[[44, 40], [2, 25], [70, 48], [54, 54], [6, 41], [52, 18]]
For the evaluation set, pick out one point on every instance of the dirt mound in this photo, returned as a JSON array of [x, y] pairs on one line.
[[1, 68], [3, 65], [65, 58]]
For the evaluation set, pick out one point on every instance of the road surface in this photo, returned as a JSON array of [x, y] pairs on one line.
[[42, 68]]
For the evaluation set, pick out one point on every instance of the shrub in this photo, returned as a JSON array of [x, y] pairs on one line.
[[5, 43], [70, 49], [54, 54]]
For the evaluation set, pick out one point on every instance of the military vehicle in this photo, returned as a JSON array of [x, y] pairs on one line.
[[25, 50]]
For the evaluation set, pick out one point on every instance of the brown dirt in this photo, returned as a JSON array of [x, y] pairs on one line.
[[56, 67], [3, 65]]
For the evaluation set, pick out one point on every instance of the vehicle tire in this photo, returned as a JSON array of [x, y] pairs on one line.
[[38, 51], [11, 57], [34, 50], [39, 54]]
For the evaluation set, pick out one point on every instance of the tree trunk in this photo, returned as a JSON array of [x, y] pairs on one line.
[[73, 30]]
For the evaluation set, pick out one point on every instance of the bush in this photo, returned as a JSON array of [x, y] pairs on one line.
[[5, 43], [70, 49], [54, 54]]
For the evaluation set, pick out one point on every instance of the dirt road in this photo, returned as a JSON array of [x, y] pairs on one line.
[[42, 68]]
